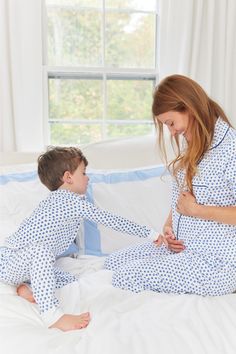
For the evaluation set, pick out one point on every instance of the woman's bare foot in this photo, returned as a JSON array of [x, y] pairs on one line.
[[25, 292], [72, 322]]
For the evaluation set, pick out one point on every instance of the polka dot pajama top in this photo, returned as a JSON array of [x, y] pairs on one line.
[[30, 253], [208, 264]]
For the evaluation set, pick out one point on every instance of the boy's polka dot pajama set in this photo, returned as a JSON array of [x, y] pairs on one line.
[[208, 264], [30, 253]]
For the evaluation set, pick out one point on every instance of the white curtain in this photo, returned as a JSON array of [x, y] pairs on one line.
[[198, 39], [21, 90]]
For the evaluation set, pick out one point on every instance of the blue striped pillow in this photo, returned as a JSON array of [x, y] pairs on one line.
[[142, 195]]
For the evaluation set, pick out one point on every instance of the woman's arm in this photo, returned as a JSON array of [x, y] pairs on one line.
[[187, 205], [168, 222]]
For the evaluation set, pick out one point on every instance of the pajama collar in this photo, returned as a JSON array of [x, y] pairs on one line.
[[221, 130]]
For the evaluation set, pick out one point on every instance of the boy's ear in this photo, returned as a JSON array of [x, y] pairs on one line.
[[66, 178]]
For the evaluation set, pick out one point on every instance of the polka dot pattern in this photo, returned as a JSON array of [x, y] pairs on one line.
[[208, 264], [30, 253]]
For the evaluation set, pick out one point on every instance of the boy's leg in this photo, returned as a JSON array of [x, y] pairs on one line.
[[71, 322], [24, 290], [63, 278], [36, 263], [43, 282], [134, 253]]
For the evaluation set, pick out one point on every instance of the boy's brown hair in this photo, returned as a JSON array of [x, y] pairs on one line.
[[55, 162]]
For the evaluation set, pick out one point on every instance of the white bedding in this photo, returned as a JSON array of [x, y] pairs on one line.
[[122, 322]]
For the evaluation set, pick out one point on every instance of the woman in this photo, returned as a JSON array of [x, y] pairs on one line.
[[201, 227]]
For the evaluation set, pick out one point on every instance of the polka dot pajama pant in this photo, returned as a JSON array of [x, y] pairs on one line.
[[34, 264], [147, 267]]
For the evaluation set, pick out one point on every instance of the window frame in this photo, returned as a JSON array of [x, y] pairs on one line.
[[102, 72]]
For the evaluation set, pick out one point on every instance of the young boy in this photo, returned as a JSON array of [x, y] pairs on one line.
[[29, 254]]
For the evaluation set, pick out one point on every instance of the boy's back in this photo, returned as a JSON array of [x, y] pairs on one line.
[[52, 223]]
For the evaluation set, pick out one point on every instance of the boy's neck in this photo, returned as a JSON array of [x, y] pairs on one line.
[[66, 187]]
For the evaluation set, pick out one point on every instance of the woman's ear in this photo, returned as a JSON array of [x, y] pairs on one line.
[[66, 178]]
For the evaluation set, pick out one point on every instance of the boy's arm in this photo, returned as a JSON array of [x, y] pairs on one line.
[[116, 222]]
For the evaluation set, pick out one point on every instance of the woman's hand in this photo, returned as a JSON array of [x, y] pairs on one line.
[[173, 244], [186, 204]]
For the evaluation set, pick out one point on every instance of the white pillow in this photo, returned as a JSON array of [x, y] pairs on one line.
[[142, 195], [20, 191]]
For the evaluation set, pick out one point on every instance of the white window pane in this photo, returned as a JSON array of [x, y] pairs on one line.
[[75, 99], [130, 40], [129, 99], [74, 37], [78, 112], [70, 134], [81, 3], [127, 130], [149, 5]]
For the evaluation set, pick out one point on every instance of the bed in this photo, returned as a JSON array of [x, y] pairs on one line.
[[127, 177]]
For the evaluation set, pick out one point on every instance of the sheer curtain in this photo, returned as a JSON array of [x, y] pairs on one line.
[[21, 118], [197, 39]]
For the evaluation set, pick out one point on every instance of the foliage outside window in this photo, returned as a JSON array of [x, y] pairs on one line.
[[101, 68]]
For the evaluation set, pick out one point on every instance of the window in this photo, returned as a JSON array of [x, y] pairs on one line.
[[100, 68]]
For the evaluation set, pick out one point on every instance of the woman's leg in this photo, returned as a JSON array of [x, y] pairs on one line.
[[130, 254], [179, 273]]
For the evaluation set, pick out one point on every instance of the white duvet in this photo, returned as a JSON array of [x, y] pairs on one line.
[[122, 322]]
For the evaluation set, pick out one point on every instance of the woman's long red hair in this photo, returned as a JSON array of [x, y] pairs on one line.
[[181, 94]]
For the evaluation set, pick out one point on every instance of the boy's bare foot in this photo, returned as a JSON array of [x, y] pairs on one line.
[[25, 292], [66, 322], [71, 322]]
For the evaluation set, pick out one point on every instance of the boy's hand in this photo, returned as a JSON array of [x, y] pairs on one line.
[[168, 231], [160, 240]]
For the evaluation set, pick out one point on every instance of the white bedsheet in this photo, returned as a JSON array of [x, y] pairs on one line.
[[122, 322]]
